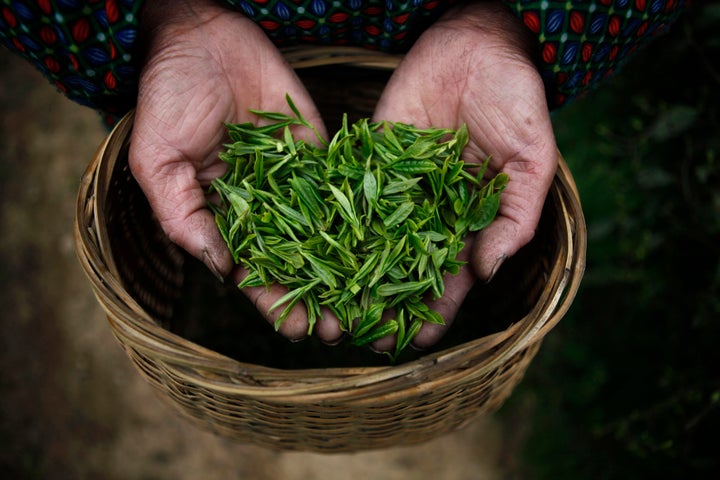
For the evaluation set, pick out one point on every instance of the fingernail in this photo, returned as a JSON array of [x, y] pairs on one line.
[[333, 343], [496, 267], [210, 264]]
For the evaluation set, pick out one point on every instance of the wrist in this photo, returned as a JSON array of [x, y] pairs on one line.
[[157, 16], [493, 20]]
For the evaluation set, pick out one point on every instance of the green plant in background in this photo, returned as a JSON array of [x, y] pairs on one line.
[[628, 385]]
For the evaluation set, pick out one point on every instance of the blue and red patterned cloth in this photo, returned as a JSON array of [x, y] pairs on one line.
[[89, 49]]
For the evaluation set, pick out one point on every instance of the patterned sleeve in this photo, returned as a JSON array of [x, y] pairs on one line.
[[87, 49], [584, 41]]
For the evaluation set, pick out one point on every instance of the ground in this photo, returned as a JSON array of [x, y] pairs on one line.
[[72, 406]]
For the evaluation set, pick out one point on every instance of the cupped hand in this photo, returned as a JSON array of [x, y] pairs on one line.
[[206, 65], [474, 66]]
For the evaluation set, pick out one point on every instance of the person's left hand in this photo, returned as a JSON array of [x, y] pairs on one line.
[[474, 67]]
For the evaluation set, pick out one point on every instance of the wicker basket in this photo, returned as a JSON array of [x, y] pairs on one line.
[[141, 280]]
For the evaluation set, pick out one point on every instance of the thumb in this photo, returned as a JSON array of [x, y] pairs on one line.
[[521, 205], [497, 242], [178, 201]]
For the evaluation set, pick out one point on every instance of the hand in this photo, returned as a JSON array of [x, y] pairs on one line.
[[474, 67], [206, 65]]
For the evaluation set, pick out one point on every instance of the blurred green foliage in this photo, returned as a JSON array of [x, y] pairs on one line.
[[627, 386]]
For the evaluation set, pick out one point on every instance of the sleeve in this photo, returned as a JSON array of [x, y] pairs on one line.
[[582, 42], [87, 49], [386, 25]]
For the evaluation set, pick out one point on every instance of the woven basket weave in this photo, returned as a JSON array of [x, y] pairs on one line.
[[140, 278]]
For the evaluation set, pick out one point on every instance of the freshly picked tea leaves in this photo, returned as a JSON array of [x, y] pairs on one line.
[[366, 223]]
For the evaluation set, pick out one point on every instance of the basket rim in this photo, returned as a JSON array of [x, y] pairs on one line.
[[306, 56], [136, 329], [131, 323]]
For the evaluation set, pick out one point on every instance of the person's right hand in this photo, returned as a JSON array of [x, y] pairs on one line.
[[206, 65]]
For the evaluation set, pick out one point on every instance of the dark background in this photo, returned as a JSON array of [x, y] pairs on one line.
[[628, 385]]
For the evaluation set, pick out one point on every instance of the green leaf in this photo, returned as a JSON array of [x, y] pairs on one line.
[[424, 313], [289, 141], [291, 298], [292, 215], [410, 333], [389, 137], [345, 204], [390, 289], [370, 188], [400, 186], [400, 214], [309, 200], [371, 317], [324, 270], [420, 149], [367, 222], [381, 331], [414, 167], [485, 213]]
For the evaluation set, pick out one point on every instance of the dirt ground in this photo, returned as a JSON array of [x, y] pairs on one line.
[[72, 406]]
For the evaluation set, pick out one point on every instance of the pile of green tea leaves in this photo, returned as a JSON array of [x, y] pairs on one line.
[[365, 223]]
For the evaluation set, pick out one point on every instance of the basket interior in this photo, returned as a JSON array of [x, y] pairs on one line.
[[184, 298], [355, 91], [221, 318]]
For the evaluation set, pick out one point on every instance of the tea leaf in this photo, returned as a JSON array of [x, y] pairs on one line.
[[381, 331], [370, 188], [399, 186], [370, 221], [325, 272], [369, 319], [291, 298], [390, 289], [345, 204], [413, 167], [408, 335], [400, 214]]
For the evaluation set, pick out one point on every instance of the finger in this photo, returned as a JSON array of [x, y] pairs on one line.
[[327, 328], [295, 326], [521, 205], [456, 288], [495, 244], [448, 306], [385, 344], [397, 105], [178, 201]]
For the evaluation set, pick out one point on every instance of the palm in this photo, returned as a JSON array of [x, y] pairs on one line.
[[193, 83]]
